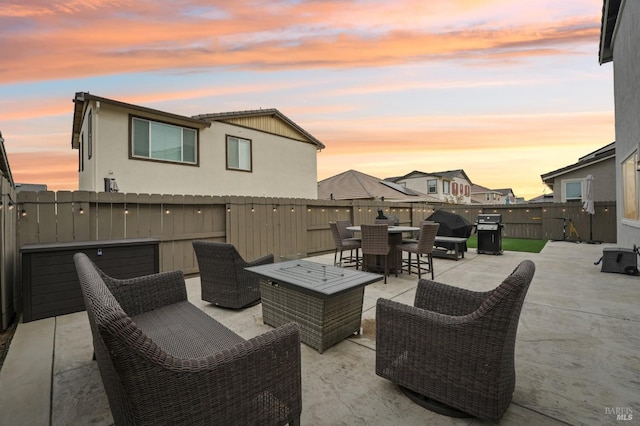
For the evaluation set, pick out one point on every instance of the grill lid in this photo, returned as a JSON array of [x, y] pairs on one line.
[[489, 218]]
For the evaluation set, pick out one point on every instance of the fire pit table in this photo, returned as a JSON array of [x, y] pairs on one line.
[[325, 301]]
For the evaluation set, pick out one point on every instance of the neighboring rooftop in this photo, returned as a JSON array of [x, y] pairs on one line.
[[354, 185], [601, 154]]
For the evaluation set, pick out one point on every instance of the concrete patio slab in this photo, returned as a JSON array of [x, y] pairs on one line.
[[577, 351]]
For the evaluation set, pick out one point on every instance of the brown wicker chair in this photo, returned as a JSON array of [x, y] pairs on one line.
[[454, 348], [344, 240], [422, 248], [375, 243], [164, 361], [223, 280], [388, 222]]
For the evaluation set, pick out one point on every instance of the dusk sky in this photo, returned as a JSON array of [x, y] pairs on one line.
[[506, 90]]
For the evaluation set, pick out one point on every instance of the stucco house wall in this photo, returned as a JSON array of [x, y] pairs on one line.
[[604, 183], [626, 74], [281, 166]]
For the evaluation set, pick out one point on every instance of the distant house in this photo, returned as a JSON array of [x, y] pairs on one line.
[[483, 195], [453, 186], [619, 41], [354, 185], [508, 196], [569, 183], [30, 187], [130, 148]]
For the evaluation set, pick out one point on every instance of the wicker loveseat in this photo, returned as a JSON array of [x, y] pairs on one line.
[[453, 352], [164, 361]]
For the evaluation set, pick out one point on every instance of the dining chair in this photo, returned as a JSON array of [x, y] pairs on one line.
[[375, 244], [423, 249], [343, 242], [389, 222]]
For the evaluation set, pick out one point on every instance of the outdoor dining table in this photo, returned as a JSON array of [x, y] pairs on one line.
[[395, 239]]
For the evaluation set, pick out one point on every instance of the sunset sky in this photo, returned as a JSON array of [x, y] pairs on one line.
[[506, 90]]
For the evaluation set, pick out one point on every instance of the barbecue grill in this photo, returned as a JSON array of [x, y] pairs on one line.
[[489, 229]]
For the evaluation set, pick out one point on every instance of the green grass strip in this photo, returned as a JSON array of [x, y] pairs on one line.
[[513, 244]]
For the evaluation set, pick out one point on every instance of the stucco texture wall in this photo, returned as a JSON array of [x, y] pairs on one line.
[[626, 71]]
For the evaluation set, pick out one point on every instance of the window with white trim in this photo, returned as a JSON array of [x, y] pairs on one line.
[[239, 154], [432, 186], [572, 190], [446, 185], [629, 178], [155, 140]]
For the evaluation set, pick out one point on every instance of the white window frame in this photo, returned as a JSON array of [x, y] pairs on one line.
[[435, 186], [564, 183], [178, 144], [630, 181], [245, 153], [446, 187]]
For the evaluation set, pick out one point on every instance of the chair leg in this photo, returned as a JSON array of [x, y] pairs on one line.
[[386, 268], [430, 257], [419, 266], [335, 257]]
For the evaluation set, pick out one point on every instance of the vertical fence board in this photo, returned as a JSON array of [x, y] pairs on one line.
[[47, 228], [82, 216]]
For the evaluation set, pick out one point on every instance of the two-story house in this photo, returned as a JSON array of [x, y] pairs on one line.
[[135, 149], [453, 186]]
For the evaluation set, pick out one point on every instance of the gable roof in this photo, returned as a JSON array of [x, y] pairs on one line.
[[610, 9], [606, 152], [354, 185], [479, 189], [505, 191], [250, 119], [449, 174], [81, 100]]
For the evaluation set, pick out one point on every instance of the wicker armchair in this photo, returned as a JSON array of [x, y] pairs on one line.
[[375, 243], [455, 348], [344, 240], [422, 247], [223, 280], [164, 361]]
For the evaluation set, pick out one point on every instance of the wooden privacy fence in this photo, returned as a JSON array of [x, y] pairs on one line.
[[255, 225], [262, 225]]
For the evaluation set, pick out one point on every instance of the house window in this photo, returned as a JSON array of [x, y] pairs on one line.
[[432, 186], [161, 141], [630, 188], [467, 190], [454, 188], [572, 190], [488, 196], [90, 136], [81, 154], [239, 154], [446, 187]]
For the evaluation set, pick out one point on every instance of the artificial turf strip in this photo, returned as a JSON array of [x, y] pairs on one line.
[[513, 244]]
